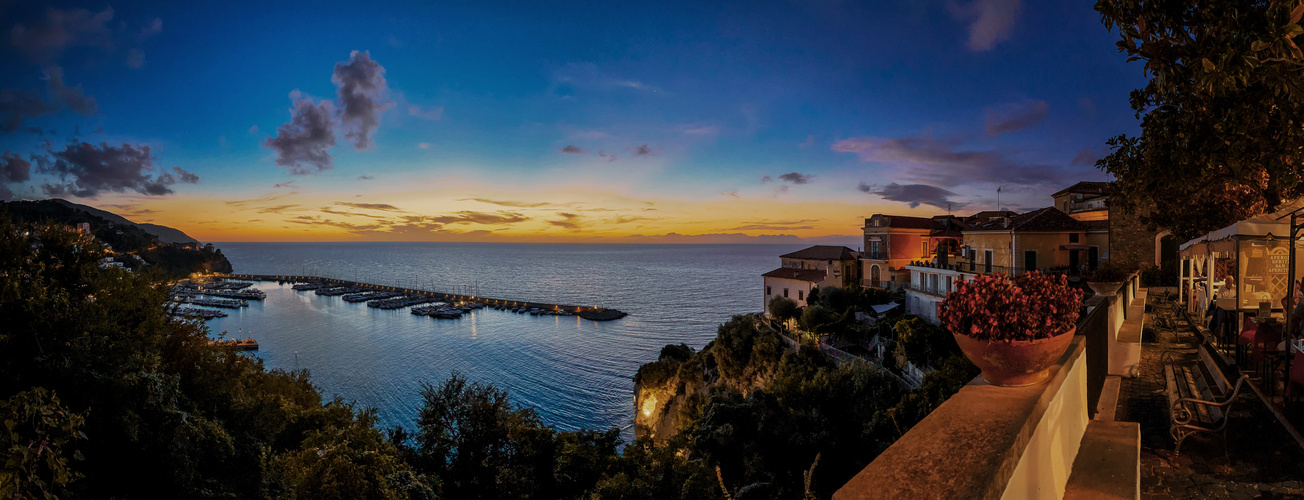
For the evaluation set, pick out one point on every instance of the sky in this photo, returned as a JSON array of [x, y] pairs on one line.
[[661, 121]]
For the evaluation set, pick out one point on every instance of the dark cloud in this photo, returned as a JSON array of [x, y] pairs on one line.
[[13, 169], [519, 204], [371, 206], [943, 162], [766, 179], [643, 150], [301, 145], [245, 203], [572, 150], [914, 194], [362, 98], [610, 157], [282, 185], [990, 21], [329, 210], [1015, 117], [1085, 158], [185, 177], [279, 209], [45, 40], [365, 177], [85, 170], [17, 105], [796, 178], [626, 219]]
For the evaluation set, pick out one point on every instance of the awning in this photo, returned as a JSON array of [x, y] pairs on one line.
[[881, 308]]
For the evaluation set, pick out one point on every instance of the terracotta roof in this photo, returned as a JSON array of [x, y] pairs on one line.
[[986, 215], [948, 225], [1086, 187], [823, 252], [1046, 219], [1096, 225], [905, 221], [811, 275]]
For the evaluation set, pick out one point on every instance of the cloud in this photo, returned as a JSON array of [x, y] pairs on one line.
[[1015, 117], [643, 150], [914, 194], [702, 131], [775, 225], [424, 145], [371, 206], [283, 185], [279, 209], [18, 105], [471, 217], [610, 157], [86, 170], [569, 220], [810, 141], [253, 129], [1085, 158], [766, 179], [518, 204], [733, 194], [626, 219], [990, 21], [924, 159], [362, 98], [365, 177], [329, 210], [432, 114], [302, 145], [244, 203], [587, 76], [13, 169], [573, 150], [796, 178], [45, 40]]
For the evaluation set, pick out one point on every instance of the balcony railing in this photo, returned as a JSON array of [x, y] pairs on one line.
[[886, 285], [939, 291], [875, 255]]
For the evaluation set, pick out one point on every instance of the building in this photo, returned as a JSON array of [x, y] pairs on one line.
[[930, 283], [894, 241], [1045, 239], [820, 266], [1084, 201]]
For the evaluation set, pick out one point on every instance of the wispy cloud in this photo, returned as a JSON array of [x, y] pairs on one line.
[[370, 206], [924, 159], [796, 178], [568, 220], [433, 113], [508, 203], [1014, 117], [990, 21], [643, 150], [572, 150], [1085, 158]]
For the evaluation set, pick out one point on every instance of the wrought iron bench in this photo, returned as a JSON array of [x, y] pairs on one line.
[[1200, 394]]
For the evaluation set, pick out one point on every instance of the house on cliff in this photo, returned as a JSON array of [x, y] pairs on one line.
[[820, 266]]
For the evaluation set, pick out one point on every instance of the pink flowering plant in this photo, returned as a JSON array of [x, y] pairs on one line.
[[1029, 307]]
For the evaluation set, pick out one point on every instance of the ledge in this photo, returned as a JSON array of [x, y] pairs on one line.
[[974, 445]]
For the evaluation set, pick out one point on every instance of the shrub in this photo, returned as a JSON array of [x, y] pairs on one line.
[[1029, 307]]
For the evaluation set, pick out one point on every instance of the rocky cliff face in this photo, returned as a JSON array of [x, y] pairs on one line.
[[671, 392]]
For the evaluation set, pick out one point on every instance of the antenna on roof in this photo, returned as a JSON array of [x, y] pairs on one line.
[[998, 198], [948, 209]]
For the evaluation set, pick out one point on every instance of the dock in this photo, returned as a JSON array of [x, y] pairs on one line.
[[589, 313]]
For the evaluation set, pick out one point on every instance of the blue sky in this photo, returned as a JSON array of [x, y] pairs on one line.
[[875, 106]]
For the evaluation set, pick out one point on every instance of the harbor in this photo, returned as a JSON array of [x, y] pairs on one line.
[[392, 297]]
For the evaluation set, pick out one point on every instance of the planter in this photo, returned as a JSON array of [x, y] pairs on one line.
[[1015, 363], [1106, 288]]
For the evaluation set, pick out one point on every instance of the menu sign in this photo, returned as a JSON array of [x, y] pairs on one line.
[[1264, 267]]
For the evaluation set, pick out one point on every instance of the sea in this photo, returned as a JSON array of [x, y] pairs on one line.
[[574, 372]]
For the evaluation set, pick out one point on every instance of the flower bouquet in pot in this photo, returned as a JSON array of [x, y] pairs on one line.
[[1013, 329]]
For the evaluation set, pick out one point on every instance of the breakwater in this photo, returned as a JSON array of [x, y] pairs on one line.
[[589, 313]]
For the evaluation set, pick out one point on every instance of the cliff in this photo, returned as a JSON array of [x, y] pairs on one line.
[[671, 392]]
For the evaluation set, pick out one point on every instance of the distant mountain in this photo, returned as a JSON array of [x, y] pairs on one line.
[[163, 233]]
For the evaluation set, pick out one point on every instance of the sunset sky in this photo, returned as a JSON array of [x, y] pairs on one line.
[[553, 121]]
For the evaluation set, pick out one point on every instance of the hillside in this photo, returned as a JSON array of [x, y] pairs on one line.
[[129, 243], [163, 233]]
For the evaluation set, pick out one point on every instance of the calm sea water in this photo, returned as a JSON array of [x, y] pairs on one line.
[[576, 373]]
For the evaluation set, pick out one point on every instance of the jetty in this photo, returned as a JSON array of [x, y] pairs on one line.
[[248, 344], [405, 297]]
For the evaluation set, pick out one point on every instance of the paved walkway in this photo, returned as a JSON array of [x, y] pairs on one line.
[[1258, 459]]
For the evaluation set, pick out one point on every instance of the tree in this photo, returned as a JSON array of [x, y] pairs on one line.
[[1221, 133], [783, 309]]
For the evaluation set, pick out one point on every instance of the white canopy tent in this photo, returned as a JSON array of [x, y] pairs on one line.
[[1253, 252]]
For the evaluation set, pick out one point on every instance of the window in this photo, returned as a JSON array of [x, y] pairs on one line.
[[801, 295], [1073, 237], [785, 293], [925, 248], [932, 282], [767, 291]]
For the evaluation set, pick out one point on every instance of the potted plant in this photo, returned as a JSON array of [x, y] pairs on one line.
[[1013, 329], [1107, 279]]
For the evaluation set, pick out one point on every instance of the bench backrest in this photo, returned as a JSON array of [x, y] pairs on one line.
[[1224, 375]]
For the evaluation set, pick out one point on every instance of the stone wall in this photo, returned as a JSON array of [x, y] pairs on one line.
[[1130, 241]]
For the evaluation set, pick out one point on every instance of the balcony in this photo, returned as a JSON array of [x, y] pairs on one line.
[[939, 291], [874, 256]]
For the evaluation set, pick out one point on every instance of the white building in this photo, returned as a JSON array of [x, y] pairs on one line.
[[791, 283], [929, 285]]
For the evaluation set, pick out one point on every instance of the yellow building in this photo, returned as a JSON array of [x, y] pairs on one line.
[[1046, 239]]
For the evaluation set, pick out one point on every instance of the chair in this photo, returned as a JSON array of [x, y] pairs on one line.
[[1248, 332]]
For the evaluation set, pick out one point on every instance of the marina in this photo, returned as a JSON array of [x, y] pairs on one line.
[[401, 297]]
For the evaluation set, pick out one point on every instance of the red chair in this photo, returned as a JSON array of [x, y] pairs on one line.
[[1246, 338]]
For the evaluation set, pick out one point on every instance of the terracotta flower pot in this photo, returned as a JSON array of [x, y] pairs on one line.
[[1106, 288], [1015, 363]]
